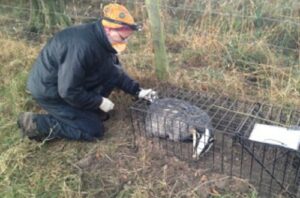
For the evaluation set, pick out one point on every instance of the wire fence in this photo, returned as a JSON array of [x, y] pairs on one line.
[[258, 39], [279, 19], [285, 19], [23, 22], [92, 16]]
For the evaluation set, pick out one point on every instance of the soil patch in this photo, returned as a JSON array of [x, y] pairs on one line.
[[144, 170]]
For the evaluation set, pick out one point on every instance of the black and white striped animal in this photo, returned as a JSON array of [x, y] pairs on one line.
[[178, 120]]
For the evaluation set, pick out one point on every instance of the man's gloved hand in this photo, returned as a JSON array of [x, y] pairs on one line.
[[148, 94], [106, 105]]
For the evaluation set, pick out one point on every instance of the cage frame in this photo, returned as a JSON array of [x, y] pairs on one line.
[[248, 113]]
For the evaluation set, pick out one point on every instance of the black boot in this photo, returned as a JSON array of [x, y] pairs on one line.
[[28, 126]]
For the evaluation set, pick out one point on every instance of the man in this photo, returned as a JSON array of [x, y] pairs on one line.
[[74, 75]]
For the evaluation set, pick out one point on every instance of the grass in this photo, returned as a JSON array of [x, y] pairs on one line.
[[60, 168], [250, 58]]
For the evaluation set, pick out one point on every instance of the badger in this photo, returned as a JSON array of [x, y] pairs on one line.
[[178, 120]]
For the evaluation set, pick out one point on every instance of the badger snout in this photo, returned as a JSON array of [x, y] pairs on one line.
[[202, 142]]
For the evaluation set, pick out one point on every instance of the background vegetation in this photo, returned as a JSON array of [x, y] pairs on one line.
[[249, 49]]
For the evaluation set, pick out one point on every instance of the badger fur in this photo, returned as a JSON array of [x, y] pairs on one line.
[[178, 120]]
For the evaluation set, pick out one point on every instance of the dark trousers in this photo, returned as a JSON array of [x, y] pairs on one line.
[[65, 121]]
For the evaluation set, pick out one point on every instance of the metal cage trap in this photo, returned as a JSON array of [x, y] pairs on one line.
[[214, 130]]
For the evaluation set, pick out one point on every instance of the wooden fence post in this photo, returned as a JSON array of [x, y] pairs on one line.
[[161, 60]]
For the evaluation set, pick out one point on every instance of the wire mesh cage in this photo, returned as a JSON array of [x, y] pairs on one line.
[[214, 130]]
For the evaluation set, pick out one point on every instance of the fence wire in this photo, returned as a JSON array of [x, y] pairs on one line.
[[228, 39], [283, 19]]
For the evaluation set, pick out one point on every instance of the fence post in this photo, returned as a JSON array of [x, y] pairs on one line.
[[161, 60]]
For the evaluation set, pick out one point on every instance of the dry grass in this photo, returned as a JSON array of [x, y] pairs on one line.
[[107, 168], [219, 54]]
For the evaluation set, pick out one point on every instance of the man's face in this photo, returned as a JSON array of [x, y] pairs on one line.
[[119, 35]]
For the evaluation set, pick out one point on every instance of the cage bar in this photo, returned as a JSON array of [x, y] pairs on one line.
[[273, 169]]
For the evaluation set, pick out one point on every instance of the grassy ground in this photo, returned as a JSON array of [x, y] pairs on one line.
[[253, 59], [107, 168]]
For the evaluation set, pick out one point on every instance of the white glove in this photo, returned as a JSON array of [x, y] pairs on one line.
[[148, 94], [106, 105]]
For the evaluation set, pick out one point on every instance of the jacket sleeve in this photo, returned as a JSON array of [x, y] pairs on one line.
[[128, 85], [125, 82], [71, 76]]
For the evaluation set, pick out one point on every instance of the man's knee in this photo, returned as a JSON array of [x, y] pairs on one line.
[[93, 131]]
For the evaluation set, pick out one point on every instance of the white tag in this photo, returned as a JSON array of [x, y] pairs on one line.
[[289, 138]]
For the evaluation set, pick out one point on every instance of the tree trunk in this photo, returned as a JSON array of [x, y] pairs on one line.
[[161, 60]]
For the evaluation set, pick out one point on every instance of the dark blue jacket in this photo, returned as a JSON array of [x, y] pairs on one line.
[[75, 63]]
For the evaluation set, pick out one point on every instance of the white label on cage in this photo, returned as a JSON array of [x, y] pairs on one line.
[[289, 138]]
